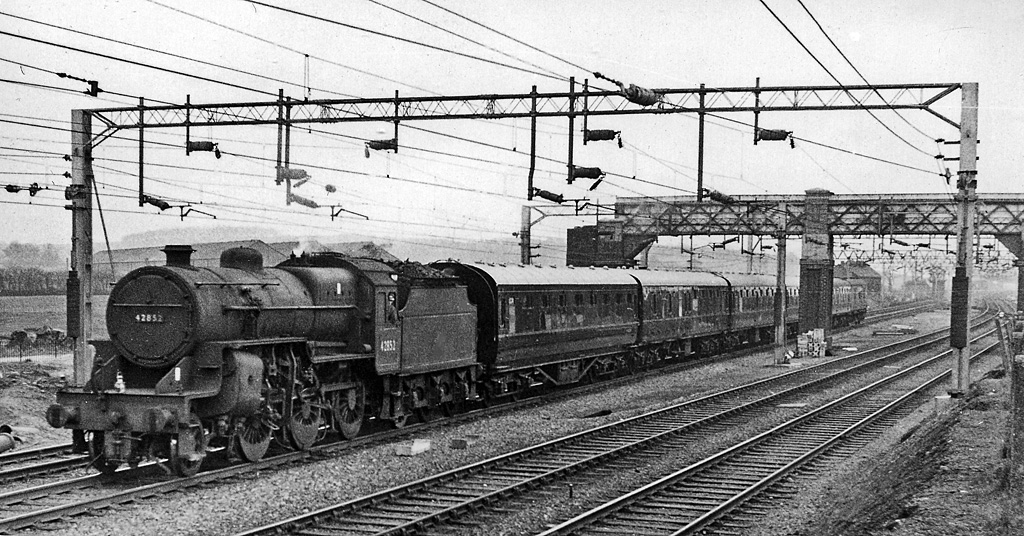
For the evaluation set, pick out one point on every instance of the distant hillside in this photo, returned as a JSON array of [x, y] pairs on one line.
[[177, 235]]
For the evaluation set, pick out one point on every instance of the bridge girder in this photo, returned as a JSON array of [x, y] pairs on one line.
[[851, 215]]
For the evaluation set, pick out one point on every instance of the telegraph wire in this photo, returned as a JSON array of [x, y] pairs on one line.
[[136, 63], [531, 47], [177, 56], [721, 117], [843, 184], [856, 70], [402, 39], [53, 153], [822, 65], [340, 170], [261, 207], [64, 75], [827, 146], [460, 36], [296, 51]]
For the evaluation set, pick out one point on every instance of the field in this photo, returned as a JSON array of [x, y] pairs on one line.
[[20, 312]]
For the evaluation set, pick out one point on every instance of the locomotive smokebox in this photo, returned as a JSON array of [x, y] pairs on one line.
[[242, 258], [178, 254]]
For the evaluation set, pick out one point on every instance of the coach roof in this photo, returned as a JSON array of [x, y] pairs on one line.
[[536, 275]]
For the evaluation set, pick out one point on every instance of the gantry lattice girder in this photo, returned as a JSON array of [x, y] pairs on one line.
[[865, 215], [558, 104]]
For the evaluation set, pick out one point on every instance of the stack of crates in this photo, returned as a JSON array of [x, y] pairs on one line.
[[811, 344]]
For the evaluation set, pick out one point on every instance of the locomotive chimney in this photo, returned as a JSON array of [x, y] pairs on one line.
[[178, 254]]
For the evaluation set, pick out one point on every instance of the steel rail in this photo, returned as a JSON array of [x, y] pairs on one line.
[[585, 521], [20, 455], [448, 494], [23, 472]]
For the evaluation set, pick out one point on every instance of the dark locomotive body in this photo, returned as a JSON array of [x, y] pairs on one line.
[[239, 354], [242, 354]]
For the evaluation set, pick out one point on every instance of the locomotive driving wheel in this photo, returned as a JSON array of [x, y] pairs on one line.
[[98, 458], [348, 408], [188, 449], [304, 424], [252, 439]]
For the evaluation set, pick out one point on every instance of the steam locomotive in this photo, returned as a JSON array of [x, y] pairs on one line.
[[239, 355]]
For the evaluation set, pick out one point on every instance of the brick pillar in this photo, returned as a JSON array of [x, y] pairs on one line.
[[816, 265], [1017, 424], [1020, 283]]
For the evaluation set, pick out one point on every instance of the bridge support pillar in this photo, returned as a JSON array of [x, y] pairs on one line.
[[817, 265], [1020, 284]]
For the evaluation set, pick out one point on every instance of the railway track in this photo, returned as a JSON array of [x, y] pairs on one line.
[[717, 495], [53, 501], [433, 502], [898, 311], [25, 464]]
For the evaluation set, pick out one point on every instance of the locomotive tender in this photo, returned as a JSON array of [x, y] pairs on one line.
[[241, 354]]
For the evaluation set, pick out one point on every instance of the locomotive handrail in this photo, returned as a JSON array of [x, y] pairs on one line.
[[234, 284], [287, 307], [148, 305]]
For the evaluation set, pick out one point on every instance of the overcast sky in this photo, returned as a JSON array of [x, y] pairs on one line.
[[439, 186]]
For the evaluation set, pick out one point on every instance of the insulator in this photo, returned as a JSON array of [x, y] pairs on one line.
[[600, 135], [765, 134], [586, 172], [156, 202], [383, 145], [206, 146], [715, 195], [12, 188], [641, 95], [294, 174], [544, 194], [303, 201]]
